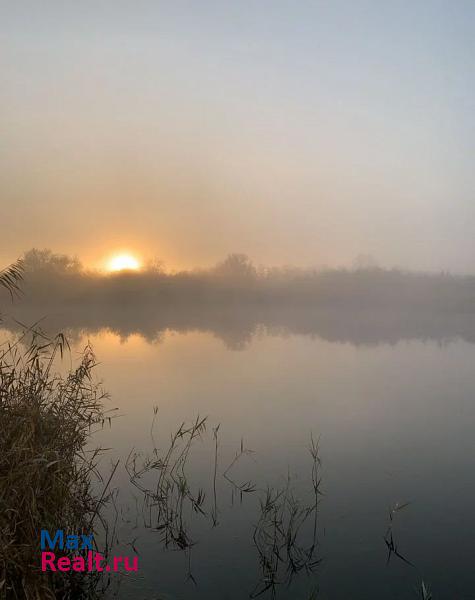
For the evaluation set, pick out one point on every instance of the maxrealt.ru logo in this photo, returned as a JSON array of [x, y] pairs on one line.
[[86, 559]]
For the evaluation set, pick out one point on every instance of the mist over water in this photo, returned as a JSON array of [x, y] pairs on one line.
[[236, 301]]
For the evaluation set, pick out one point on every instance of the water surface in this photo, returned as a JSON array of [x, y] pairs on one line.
[[395, 415]]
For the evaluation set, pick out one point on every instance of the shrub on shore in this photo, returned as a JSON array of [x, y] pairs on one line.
[[45, 469]]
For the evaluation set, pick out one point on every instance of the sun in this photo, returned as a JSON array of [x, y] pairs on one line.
[[123, 262]]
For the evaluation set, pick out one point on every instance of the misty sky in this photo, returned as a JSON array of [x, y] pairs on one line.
[[297, 132]]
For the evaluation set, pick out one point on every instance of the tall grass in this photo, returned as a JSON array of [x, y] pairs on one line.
[[45, 470], [11, 277]]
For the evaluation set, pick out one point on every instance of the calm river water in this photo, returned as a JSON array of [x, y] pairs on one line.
[[395, 416]]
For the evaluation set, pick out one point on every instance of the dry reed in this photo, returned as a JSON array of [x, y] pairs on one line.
[[45, 470]]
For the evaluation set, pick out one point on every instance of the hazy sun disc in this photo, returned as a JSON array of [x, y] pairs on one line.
[[123, 262]]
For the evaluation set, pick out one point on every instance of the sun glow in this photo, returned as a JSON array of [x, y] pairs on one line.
[[123, 262]]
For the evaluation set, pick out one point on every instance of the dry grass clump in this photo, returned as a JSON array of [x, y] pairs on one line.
[[45, 472]]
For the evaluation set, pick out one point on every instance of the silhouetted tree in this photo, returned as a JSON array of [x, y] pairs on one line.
[[237, 267]]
